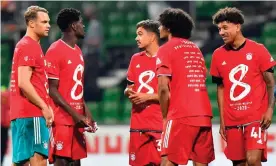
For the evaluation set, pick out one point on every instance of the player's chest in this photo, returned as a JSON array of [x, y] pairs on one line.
[[144, 70], [41, 61], [41, 64], [72, 62], [238, 64]]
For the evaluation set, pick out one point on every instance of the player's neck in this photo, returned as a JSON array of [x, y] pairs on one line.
[[170, 37], [69, 40], [32, 35], [151, 50], [238, 41]]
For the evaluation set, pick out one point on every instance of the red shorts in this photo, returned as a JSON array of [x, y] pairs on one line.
[[67, 141], [240, 140], [144, 148], [182, 142]]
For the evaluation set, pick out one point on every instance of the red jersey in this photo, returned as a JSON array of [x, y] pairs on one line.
[[183, 61], [245, 94], [28, 53], [5, 108], [141, 72], [66, 64]]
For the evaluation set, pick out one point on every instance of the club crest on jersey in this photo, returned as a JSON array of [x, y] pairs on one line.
[[59, 145], [45, 144], [249, 56], [132, 156]]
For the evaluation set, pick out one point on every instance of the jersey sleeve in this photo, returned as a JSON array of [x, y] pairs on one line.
[[266, 61], [130, 71], [163, 63], [26, 57], [214, 67], [53, 64]]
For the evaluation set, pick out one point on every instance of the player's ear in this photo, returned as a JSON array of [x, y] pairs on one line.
[[152, 37], [238, 27], [74, 26], [31, 23]]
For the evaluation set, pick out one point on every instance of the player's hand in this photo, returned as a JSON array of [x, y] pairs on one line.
[[48, 115], [130, 90], [139, 98], [93, 127], [222, 131], [266, 119], [88, 115], [80, 120]]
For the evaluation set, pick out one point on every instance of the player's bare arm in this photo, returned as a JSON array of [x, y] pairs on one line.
[[24, 83], [134, 97], [140, 98], [220, 98], [164, 94], [93, 127], [270, 83], [88, 113], [275, 93], [220, 90], [59, 100]]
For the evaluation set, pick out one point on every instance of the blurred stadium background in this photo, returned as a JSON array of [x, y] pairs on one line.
[[108, 47]]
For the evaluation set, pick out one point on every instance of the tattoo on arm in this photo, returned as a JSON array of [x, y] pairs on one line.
[[270, 84]]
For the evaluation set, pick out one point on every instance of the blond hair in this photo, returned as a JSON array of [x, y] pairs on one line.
[[32, 11]]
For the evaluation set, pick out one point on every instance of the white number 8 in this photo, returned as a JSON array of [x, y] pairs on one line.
[[78, 82]]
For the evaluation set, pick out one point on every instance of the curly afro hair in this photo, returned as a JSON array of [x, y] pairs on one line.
[[179, 23], [66, 17], [229, 14]]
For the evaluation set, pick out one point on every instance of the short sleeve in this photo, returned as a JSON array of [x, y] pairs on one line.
[[214, 67], [130, 71], [53, 67], [266, 61], [163, 63], [26, 57]]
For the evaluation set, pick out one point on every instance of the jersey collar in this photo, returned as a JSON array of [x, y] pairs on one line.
[[74, 48], [144, 53], [230, 48]]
